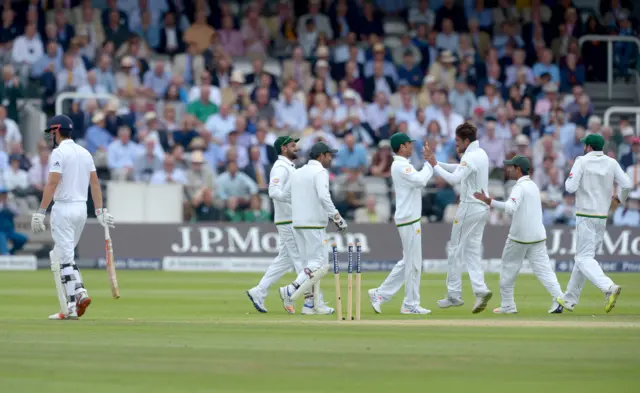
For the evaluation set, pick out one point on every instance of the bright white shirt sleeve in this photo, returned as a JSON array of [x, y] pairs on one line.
[[277, 189], [56, 161], [462, 171], [624, 181], [322, 188], [511, 205], [573, 181], [417, 179], [448, 167]]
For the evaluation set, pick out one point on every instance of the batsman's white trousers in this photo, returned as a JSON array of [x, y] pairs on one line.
[[512, 257], [409, 269], [67, 223], [312, 246], [288, 257], [589, 235], [465, 247]]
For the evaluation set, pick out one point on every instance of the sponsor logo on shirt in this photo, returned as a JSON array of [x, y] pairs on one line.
[[513, 199], [57, 164], [570, 175], [275, 180], [408, 170], [463, 163]]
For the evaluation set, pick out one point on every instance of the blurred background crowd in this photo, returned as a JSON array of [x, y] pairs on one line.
[[204, 87]]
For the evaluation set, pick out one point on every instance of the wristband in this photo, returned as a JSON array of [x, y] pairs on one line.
[[99, 211]]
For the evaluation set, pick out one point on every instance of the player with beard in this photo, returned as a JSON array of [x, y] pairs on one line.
[[280, 192]]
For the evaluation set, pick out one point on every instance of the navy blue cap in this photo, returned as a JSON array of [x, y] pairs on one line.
[[59, 122]]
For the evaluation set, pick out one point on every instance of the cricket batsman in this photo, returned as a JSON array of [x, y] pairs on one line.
[[591, 179], [280, 191], [465, 246], [527, 236], [408, 184], [312, 207], [71, 172]]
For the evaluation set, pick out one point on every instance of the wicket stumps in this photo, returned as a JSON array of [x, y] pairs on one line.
[[358, 289]]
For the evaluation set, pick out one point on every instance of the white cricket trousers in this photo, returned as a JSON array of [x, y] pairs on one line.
[[67, 223], [465, 247], [589, 235], [409, 269], [288, 257], [512, 258]]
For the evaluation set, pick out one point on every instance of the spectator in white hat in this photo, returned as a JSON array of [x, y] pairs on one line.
[[97, 136], [350, 103], [627, 134], [594, 124], [443, 70], [127, 81]]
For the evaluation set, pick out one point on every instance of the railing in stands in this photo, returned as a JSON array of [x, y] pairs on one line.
[[609, 39], [33, 121], [632, 110], [73, 95]]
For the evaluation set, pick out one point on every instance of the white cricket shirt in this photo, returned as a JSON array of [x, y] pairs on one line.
[[311, 202], [75, 164], [408, 184], [525, 206], [591, 179], [280, 190], [472, 173]]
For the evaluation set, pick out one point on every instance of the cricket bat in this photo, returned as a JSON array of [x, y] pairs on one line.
[[111, 266]]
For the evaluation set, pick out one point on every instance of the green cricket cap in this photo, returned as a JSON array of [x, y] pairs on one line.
[[398, 139], [594, 140], [519, 161], [283, 141], [320, 148]]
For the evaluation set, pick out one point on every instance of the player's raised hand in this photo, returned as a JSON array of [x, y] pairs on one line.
[[428, 154], [105, 218], [37, 222]]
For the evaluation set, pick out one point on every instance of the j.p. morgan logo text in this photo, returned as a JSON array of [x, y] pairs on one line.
[[231, 240], [626, 243]]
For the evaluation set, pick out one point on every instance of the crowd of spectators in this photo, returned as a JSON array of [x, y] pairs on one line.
[[204, 87]]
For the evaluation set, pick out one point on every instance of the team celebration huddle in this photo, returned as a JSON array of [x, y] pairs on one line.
[[303, 208]]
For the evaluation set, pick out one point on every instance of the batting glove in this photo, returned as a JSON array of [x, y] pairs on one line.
[[105, 218], [37, 221], [341, 224]]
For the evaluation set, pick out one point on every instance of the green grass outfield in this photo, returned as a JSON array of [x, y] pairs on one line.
[[197, 332]]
